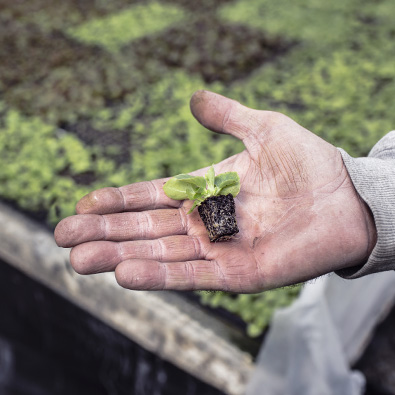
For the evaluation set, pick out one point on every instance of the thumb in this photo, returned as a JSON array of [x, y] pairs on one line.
[[223, 115]]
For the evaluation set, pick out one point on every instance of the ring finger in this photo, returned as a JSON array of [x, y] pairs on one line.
[[104, 256]]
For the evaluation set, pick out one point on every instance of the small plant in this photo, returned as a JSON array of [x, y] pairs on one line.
[[213, 195]]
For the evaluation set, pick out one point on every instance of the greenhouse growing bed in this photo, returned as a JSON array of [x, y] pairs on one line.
[[97, 94]]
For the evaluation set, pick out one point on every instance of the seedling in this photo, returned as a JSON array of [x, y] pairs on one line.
[[213, 195]]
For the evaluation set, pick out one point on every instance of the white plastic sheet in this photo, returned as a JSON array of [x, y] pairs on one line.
[[312, 343]]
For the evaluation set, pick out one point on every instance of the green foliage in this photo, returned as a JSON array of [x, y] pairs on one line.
[[198, 189], [336, 82], [175, 143], [342, 98], [310, 21], [256, 310], [53, 77], [52, 15], [118, 29], [34, 155]]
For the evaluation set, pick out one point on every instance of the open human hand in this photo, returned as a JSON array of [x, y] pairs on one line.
[[298, 213]]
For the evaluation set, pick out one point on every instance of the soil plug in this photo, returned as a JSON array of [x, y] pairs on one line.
[[214, 197]]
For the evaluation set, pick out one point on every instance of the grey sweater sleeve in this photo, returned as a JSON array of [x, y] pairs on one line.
[[374, 179]]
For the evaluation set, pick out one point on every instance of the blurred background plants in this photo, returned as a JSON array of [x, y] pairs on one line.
[[96, 93]]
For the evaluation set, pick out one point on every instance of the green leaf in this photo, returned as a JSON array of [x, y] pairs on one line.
[[195, 180], [210, 177], [185, 186], [228, 183], [175, 189], [201, 194], [226, 179], [232, 189], [179, 186], [193, 192]]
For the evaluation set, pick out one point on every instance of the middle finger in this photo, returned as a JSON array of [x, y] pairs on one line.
[[151, 224]]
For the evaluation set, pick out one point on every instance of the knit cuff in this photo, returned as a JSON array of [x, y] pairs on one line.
[[374, 180]]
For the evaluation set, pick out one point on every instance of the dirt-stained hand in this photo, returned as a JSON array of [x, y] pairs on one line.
[[298, 213]]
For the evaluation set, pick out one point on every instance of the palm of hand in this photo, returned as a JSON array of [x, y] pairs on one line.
[[295, 211], [291, 212]]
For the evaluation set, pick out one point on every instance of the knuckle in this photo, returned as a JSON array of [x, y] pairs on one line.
[[197, 245], [153, 193], [143, 223], [227, 118], [122, 198], [184, 218], [160, 250], [190, 274]]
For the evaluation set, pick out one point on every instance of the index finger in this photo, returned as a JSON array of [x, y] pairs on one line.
[[147, 195]]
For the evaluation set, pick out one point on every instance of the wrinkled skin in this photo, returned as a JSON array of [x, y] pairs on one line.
[[298, 213]]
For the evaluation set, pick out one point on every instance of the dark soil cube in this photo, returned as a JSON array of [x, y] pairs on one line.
[[219, 217]]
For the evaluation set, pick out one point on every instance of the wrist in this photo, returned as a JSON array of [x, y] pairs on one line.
[[360, 229], [370, 228]]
